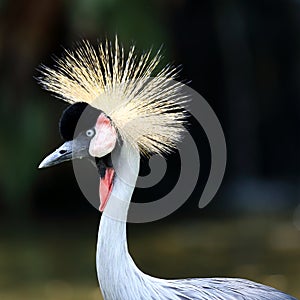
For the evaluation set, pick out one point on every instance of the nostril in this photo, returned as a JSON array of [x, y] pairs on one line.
[[62, 151]]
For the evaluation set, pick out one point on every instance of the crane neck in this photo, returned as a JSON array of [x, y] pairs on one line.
[[118, 276], [115, 266]]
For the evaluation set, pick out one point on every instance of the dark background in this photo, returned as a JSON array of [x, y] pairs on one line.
[[243, 57]]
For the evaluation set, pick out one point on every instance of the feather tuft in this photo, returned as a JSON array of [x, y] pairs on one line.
[[147, 111]]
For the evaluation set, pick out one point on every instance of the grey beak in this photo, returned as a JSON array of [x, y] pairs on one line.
[[63, 153], [78, 148]]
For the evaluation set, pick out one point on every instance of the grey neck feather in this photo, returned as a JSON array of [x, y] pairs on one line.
[[116, 270], [118, 276]]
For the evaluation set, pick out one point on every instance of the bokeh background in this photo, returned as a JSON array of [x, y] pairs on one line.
[[243, 56]]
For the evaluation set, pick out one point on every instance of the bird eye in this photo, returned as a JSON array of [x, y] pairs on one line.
[[90, 132]]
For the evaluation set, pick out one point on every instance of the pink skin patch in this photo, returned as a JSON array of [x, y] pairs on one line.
[[101, 144], [105, 138], [105, 188]]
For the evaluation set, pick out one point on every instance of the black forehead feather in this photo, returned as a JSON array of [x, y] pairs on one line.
[[70, 117]]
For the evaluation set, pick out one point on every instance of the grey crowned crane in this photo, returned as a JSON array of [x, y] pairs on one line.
[[129, 113]]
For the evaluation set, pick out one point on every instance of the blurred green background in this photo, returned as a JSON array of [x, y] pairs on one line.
[[243, 57]]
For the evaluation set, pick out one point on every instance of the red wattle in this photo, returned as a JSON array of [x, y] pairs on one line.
[[105, 187]]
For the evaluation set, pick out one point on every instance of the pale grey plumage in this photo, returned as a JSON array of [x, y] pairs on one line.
[[120, 278]]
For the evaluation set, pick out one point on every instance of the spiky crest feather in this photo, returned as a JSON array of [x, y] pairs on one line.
[[146, 110]]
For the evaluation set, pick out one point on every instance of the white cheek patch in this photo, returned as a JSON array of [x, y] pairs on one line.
[[105, 138]]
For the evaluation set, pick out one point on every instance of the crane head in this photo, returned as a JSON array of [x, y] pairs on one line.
[[88, 133], [93, 136]]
